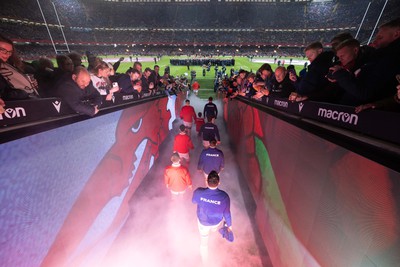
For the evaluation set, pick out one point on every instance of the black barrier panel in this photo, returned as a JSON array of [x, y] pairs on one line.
[[376, 123], [329, 204], [379, 124], [201, 62], [24, 111]]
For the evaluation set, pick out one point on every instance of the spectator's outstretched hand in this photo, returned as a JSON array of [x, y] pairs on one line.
[[363, 107], [2, 105]]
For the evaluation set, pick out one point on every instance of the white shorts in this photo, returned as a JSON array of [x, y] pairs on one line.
[[184, 156], [205, 229], [187, 124], [177, 193]]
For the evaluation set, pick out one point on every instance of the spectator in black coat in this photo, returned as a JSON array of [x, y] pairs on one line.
[[79, 93], [281, 86], [130, 83], [375, 80], [314, 81]]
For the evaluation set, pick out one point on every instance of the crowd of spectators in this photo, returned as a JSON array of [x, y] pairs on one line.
[[358, 76], [348, 74], [83, 89], [299, 23]]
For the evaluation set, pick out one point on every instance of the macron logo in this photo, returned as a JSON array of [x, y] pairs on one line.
[[57, 105], [338, 116], [11, 113], [301, 105]]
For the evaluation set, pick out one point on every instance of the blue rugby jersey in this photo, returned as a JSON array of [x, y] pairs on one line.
[[211, 159], [213, 205]]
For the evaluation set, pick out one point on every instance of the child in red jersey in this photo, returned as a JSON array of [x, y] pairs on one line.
[[199, 122]]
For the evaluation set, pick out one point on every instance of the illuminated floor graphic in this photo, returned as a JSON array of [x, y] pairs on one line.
[[161, 232]]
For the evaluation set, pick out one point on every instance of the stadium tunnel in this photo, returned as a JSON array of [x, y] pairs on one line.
[[79, 191]]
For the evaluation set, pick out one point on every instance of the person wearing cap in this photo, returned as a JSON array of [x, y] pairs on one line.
[[183, 144], [211, 159], [177, 177], [188, 115], [213, 208], [210, 109]]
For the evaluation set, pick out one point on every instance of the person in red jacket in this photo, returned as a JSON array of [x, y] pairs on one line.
[[188, 115], [183, 144], [177, 178]]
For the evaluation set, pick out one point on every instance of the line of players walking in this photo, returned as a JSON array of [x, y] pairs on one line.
[[213, 204]]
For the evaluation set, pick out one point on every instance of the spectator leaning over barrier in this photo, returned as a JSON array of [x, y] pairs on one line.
[[44, 76], [64, 65], [281, 86], [388, 34], [76, 59], [14, 83], [389, 104], [265, 74], [99, 76], [155, 77], [2, 105], [374, 80], [339, 38], [350, 58], [138, 66], [130, 83], [147, 84], [250, 91], [78, 92], [314, 81], [242, 81]]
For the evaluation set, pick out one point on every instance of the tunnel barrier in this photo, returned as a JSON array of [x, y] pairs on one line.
[[66, 179], [325, 195]]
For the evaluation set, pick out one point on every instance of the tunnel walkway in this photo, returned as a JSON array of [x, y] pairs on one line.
[[161, 232]]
